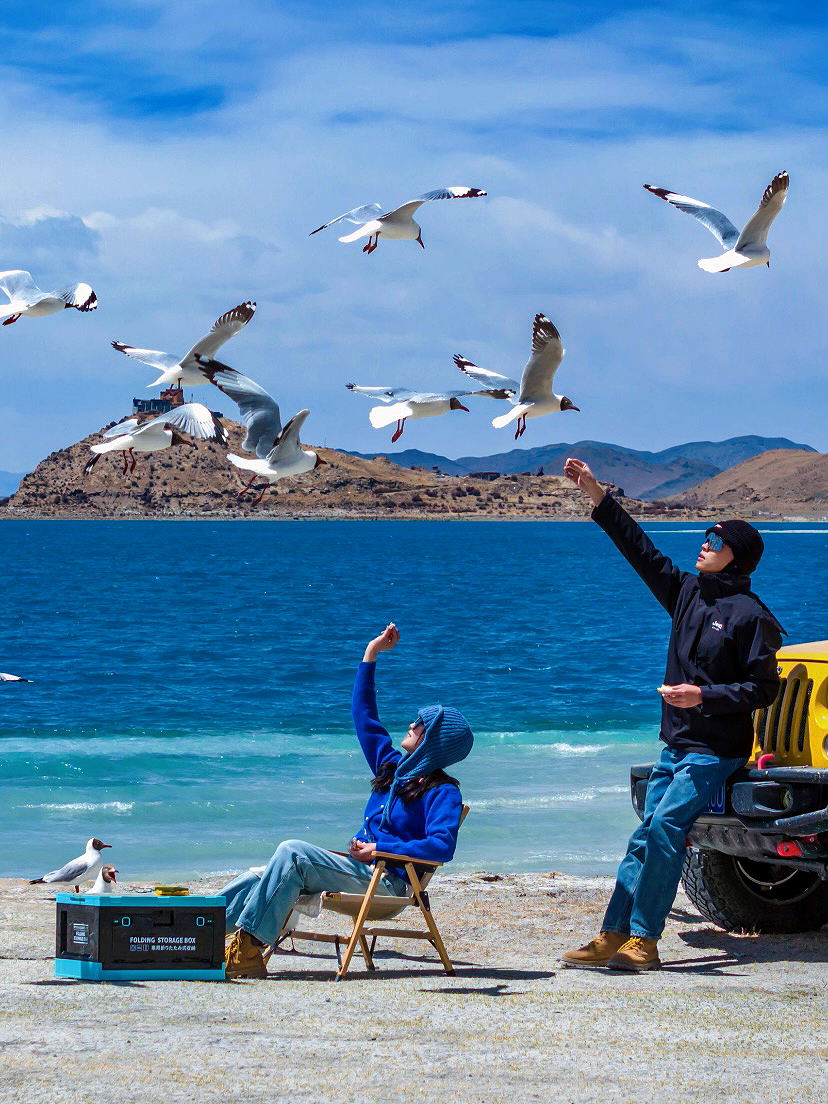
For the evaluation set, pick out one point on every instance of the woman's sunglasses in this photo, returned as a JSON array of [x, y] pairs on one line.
[[713, 541]]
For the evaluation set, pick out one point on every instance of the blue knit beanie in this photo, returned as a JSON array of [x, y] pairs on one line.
[[447, 740]]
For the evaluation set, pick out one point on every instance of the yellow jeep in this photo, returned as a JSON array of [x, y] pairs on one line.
[[758, 859]]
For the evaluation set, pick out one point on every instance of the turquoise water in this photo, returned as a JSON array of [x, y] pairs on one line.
[[192, 681]]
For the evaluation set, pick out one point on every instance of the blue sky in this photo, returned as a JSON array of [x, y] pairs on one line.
[[176, 157]]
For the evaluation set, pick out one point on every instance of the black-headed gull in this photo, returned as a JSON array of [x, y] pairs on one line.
[[372, 222], [5, 677], [278, 452], [402, 404], [82, 869], [533, 396], [26, 298], [177, 372], [745, 250], [131, 436], [105, 880]]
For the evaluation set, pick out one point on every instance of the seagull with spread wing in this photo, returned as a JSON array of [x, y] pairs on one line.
[[278, 451], [402, 404], [178, 371], [533, 396], [131, 435], [26, 298], [742, 250], [371, 221]]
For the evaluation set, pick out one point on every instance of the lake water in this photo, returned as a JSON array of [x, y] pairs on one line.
[[190, 701]]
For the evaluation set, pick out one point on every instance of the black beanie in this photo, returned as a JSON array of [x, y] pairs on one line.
[[744, 541]]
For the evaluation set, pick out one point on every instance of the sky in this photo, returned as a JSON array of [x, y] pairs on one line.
[[177, 156]]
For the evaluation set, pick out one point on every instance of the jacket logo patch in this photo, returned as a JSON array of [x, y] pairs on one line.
[[718, 626]]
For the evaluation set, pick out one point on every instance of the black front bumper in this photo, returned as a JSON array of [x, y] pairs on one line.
[[779, 814]]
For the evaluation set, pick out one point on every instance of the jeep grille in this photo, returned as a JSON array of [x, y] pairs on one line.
[[782, 728]]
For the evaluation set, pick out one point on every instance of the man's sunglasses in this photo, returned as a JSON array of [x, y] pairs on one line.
[[713, 541]]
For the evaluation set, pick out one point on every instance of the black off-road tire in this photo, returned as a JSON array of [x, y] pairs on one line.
[[740, 894]]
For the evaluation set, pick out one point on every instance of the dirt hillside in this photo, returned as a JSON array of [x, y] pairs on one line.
[[781, 483]]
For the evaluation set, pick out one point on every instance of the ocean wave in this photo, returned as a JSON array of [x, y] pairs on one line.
[[545, 801], [83, 806], [568, 749]]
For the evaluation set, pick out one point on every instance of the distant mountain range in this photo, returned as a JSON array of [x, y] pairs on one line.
[[645, 475]]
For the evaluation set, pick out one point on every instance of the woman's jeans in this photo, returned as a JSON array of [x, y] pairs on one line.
[[262, 905], [680, 788]]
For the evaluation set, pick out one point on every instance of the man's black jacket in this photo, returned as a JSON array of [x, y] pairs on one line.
[[723, 640]]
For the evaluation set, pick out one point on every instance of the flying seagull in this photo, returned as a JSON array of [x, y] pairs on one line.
[[278, 452], [131, 436], [4, 677], [745, 250], [178, 372], [405, 404], [371, 221], [26, 298], [533, 396], [82, 869]]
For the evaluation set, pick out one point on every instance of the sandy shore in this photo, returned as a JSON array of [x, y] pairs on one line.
[[729, 1018]]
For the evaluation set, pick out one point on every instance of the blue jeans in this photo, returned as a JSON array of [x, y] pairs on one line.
[[261, 905], [680, 788]]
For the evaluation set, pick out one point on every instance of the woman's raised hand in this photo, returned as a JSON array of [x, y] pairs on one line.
[[386, 640], [581, 474]]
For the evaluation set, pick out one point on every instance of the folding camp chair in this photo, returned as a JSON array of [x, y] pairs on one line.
[[369, 907]]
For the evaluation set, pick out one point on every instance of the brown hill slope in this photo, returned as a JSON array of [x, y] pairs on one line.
[[781, 483], [199, 482]]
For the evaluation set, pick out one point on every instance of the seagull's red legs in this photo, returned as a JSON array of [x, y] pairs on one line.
[[400, 428]]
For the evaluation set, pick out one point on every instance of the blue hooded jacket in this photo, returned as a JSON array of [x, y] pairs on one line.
[[427, 827]]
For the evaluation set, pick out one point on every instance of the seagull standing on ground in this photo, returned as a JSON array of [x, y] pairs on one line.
[[278, 452], [129, 436], [105, 880], [82, 869], [399, 223], [26, 298], [178, 372], [745, 250], [405, 404], [533, 396]]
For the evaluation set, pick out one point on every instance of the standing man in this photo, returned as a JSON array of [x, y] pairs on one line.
[[721, 665]]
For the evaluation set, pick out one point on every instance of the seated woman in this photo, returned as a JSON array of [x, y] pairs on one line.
[[414, 809]]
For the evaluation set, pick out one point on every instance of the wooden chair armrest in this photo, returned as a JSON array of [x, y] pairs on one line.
[[398, 860]]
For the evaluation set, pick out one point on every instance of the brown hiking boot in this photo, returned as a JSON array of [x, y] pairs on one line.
[[243, 959], [636, 955], [596, 953]]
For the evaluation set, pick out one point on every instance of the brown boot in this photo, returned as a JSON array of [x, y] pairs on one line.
[[636, 955], [596, 953], [243, 958]]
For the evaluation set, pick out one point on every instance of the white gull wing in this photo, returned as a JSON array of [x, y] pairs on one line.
[[192, 418], [75, 871], [718, 224], [5, 677], [154, 357], [287, 447], [408, 209], [489, 379], [547, 353], [19, 285], [80, 296], [225, 327], [126, 425], [258, 411], [384, 394], [359, 216], [756, 229]]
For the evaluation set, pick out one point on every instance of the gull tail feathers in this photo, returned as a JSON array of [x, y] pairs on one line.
[[515, 412]]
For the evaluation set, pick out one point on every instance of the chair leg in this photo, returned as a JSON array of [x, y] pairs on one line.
[[360, 920], [422, 900], [366, 953]]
